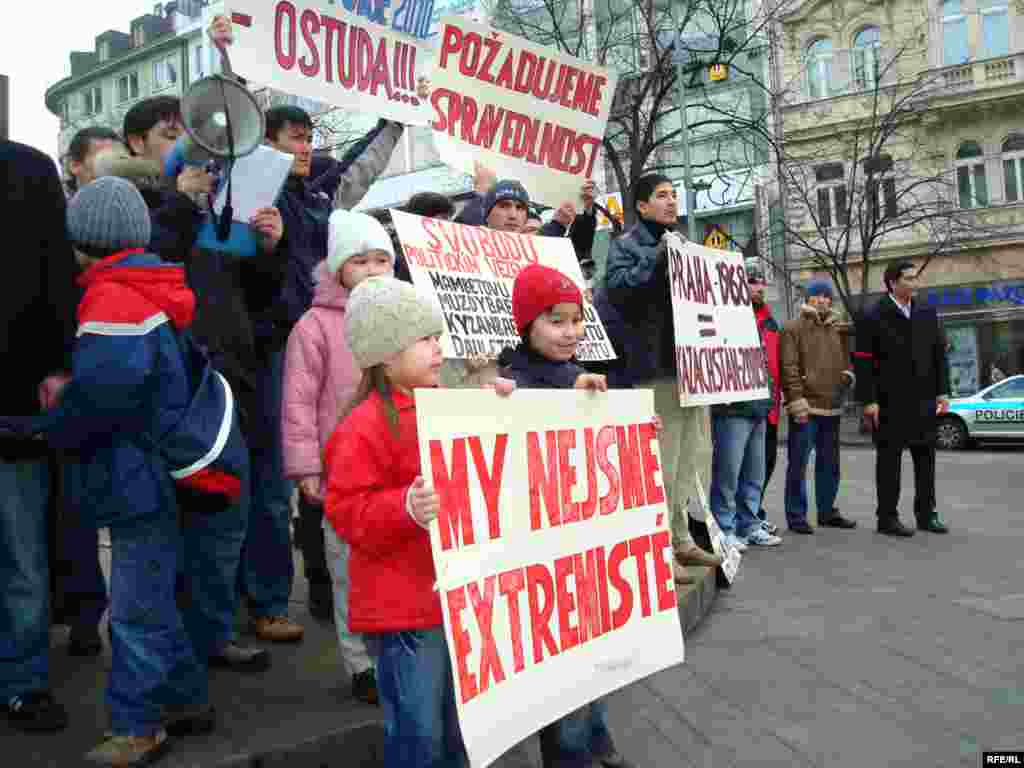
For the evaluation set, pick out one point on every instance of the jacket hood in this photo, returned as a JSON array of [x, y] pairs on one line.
[[328, 291], [161, 283], [809, 311]]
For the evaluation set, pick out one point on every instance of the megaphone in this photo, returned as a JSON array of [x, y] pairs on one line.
[[223, 121]]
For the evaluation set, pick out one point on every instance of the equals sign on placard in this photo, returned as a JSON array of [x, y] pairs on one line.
[[703, 321]]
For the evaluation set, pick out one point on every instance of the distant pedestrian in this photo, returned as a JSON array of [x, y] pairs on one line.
[[816, 372], [904, 385]]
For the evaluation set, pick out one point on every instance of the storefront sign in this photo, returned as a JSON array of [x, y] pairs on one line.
[[552, 552], [1002, 292]]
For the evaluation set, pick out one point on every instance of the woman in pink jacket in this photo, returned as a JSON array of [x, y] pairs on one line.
[[320, 379]]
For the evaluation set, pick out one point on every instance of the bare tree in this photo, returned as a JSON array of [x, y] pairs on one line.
[[870, 185], [643, 40]]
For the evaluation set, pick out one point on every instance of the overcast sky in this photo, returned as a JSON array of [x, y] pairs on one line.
[[34, 48]]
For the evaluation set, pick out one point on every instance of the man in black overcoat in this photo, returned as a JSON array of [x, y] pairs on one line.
[[904, 383]]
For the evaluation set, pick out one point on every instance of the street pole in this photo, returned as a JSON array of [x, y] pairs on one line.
[[688, 191], [5, 104]]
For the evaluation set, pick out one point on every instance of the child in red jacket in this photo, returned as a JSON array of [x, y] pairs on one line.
[[379, 504]]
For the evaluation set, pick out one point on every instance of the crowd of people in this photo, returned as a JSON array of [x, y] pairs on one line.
[[176, 396]]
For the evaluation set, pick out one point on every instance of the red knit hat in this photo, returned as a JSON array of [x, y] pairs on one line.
[[536, 290]]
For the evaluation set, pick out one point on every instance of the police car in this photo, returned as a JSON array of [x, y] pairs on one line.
[[995, 413]]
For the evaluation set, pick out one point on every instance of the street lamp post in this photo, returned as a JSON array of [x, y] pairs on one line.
[[689, 187]]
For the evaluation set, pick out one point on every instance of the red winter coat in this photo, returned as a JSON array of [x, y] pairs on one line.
[[369, 471], [769, 330]]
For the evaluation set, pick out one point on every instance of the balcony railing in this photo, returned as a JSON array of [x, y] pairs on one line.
[[990, 73]]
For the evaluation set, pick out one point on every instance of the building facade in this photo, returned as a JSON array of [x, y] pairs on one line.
[[949, 75]]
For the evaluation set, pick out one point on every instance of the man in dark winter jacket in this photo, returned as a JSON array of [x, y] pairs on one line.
[[36, 331], [636, 284], [904, 383]]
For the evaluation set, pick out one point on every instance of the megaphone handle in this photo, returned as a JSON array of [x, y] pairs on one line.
[[225, 60]]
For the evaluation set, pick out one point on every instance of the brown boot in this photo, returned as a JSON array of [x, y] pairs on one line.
[[129, 751], [694, 555], [682, 576], [277, 629]]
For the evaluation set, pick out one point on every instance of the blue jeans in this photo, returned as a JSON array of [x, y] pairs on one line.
[[267, 567], [737, 471], [575, 739], [80, 582], [414, 681], [819, 433], [153, 664], [210, 561], [24, 578]]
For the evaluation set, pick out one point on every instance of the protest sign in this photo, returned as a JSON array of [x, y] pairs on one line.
[[552, 552], [527, 112], [719, 357], [471, 271], [319, 50]]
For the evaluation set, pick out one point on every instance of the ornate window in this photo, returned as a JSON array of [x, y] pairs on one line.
[[866, 60], [995, 28], [819, 68], [954, 33], [1013, 168], [832, 205], [971, 182]]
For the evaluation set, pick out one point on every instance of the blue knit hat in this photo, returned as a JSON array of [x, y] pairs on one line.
[[506, 189], [819, 287], [109, 214]]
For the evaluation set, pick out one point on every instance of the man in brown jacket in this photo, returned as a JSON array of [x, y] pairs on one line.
[[815, 372]]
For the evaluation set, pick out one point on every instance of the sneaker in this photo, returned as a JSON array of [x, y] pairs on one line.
[[771, 527], [36, 711], [190, 719], [735, 541], [759, 537], [614, 759], [130, 751], [364, 686], [277, 629], [241, 658]]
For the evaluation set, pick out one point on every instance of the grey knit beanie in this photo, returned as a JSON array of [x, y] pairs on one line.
[[109, 214], [384, 315]]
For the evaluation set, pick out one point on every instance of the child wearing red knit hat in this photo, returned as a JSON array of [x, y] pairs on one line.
[[547, 308]]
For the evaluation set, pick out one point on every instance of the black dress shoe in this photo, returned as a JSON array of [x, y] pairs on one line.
[[838, 521], [803, 528], [894, 528], [933, 525], [84, 641]]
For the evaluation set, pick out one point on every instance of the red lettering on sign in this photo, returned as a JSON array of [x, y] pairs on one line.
[[569, 634], [663, 554], [510, 584], [541, 594], [567, 475], [621, 614], [310, 23], [490, 482], [285, 15], [460, 639], [629, 464], [543, 482], [483, 609], [605, 440], [639, 548], [455, 520], [655, 493]]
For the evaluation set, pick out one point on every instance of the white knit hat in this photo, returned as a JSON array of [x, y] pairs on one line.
[[384, 316], [350, 234]]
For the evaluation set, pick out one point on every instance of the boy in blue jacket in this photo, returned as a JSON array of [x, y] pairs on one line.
[[145, 421]]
